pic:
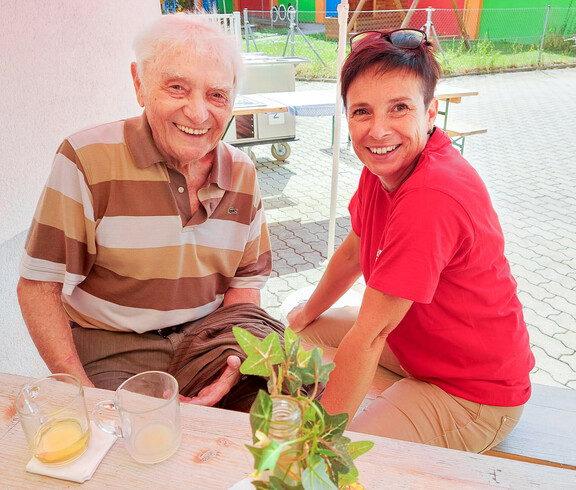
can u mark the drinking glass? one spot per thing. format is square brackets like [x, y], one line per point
[53, 414]
[148, 409]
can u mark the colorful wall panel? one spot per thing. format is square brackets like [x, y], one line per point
[522, 21]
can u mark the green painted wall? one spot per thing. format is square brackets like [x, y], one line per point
[522, 21]
[307, 9]
[229, 6]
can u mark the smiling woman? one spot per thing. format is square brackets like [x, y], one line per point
[440, 311]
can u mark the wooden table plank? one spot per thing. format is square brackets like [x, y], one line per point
[445, 91]
[212, 455]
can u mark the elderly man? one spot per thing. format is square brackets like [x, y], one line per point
[150, 233]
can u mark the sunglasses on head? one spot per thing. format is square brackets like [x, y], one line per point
[401, 38]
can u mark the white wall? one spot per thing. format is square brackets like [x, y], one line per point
[64, 65]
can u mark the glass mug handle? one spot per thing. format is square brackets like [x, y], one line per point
[110, 427]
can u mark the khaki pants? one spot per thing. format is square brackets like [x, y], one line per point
[413, 410]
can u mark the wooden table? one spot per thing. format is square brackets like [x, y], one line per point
[322, 102]
[212, 455]
[449, 94]
[315, 103]
[255, 104]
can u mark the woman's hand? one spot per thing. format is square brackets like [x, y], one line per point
[296, 318]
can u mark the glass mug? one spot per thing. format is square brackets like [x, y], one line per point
[148, 408]
[53, 414]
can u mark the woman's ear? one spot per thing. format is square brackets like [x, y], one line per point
[432, 113]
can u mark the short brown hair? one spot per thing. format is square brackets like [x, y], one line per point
[385, 57]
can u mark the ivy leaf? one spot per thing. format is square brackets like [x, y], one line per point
[261, 355]
[340, 460]
[346, 479]
[290, 338]
[261, 414]
[314, 371]
[294, 348]
[277, 484]
[335, 425]
[303, 356]
[313, 416]
[358, 448]
[292, 378]
[261, 485]
[265, 458]
[315, 476]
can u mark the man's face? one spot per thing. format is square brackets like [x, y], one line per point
[188, 100]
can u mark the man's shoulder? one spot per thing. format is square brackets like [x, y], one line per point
[104, 133]
[235, 155]
[239, 166]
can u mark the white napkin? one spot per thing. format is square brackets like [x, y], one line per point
[245, 484]
[84, 467]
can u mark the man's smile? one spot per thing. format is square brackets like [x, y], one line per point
[188, 130]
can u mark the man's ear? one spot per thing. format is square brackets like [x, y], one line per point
[137, 84]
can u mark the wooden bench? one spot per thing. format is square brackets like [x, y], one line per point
[546, 433]
[458, 133]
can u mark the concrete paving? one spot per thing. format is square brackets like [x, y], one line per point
[526, 160]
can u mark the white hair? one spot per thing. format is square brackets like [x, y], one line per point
[193, 32]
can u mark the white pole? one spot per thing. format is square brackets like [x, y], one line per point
[342, 38]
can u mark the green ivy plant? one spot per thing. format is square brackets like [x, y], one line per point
[326, 456]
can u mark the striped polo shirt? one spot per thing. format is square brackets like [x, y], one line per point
[114, 226]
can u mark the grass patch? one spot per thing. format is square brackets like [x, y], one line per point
[483, 56]
[275, 45]
[493, 56]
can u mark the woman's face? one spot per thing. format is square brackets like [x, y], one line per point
[389, 123]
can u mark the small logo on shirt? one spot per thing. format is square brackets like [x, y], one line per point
[378, 252]
[232, 210]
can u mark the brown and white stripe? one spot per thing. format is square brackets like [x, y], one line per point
[112, 228]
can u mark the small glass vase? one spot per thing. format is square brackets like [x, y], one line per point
[285, 426]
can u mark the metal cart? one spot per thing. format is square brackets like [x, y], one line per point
[266, 74]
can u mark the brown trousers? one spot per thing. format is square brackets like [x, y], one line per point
[194, 352]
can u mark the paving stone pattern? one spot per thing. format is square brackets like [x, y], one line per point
[527, 160]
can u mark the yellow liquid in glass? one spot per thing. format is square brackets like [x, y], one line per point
[61, 441]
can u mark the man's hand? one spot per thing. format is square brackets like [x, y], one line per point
[213, 393]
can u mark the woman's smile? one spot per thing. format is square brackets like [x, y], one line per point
[383, 151]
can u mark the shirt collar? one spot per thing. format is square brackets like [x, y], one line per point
[145, 153]
[140, 142]
[437, 141]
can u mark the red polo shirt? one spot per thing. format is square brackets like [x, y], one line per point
[436, 240]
